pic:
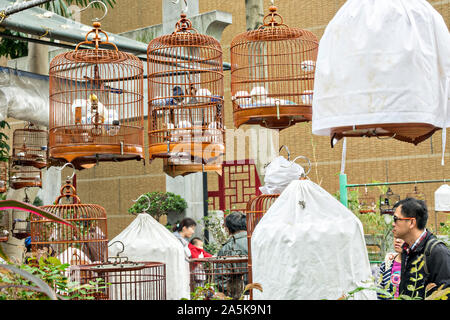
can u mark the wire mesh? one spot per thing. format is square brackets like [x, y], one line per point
[96, 105]
[185, 83]
[84, 244]
[124, 281]
[272, 74]
[228, 274]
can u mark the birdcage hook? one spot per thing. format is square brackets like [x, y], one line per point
[185, 9]
[287, 150]
[104, 6]
[65, 165]
[149, 202]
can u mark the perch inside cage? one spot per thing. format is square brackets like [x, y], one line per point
[87, 243]
[387, 202]
[229, 274]
[272, 74]
[3, 176]
[30, 146]
[185, 83]
[96, 104]
[24, 176]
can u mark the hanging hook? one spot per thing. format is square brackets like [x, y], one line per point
[104, 6]
[67, 164]
[287, 150]
[149, 202]
[185, 9]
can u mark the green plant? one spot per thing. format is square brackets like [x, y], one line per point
[38, 202]
[214, 224]
[4, 146]
[161, 203]
[209, 292]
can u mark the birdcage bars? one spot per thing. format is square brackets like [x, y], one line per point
[367, 204]
[96, 104]
[30, 146]
[417, 194]
[3, 176]
[387, 202]
[23, 176]
[185, 83]
[229, 274]
[124, 280]
[256, 208]
[272, 74]
[85, 244]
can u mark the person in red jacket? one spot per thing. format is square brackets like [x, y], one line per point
[196, 247]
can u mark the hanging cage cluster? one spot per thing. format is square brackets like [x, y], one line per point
[272, 74]
[185, 85]
[96, 104]
[85, 244]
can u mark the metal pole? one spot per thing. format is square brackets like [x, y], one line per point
[21, 7]
[395, 183]
[343, 189]
[205, 203]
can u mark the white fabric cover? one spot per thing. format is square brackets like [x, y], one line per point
[308, 253]
[442, 198]
[278, 174]
[382, 61]
[145, 239]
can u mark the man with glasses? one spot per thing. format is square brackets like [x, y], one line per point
[417, 272]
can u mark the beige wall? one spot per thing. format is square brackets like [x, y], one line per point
[114, 185]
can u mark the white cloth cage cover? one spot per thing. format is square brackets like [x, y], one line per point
[278, 174]
[310, 252]
[145, 239]
[382, 61]
[442, 198]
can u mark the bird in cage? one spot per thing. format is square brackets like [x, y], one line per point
[178, 94]
[242, 98]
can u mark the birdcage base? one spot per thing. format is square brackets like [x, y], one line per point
[272, 117]
[414, 133]
[25, 184]
[2, 190]
[30, 162]
[86, 156]
[21, 235]
[3, 238]
[174, 170]
[207, 152]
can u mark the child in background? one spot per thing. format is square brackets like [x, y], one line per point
[196, 247]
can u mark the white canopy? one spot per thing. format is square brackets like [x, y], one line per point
[308, 246]
[145, 239]
[380, 62]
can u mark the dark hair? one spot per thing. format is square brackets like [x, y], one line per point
[194, 240]
[236, 222]
[414, 208]
[186, 222]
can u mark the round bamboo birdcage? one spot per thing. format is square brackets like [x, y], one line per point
[96, 104]
[417, 194]
[387, 202]
[30, 146]
[256, 208]
[87, 243]
[180, 167]
[3, 176]
[21, 176]
[367, 204]
[185, 84]
[272, 74]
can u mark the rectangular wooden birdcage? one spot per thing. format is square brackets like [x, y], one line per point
[30, 146]
[85, 244]
[228, 274]
[124, 280]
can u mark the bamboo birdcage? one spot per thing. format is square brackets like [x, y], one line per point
[85, 244]
[256, 208]
[23, 176]
[30, 146]
[367, 204]
[272, 74]
[387, 202]
[186, 106]
[3, 176]
[96, 104]
[184, 167]
[417, 194]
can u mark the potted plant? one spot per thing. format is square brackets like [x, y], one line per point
[166, 207]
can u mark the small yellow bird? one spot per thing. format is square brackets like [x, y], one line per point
[93, 97]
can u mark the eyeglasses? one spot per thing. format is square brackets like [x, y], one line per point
[397, 218]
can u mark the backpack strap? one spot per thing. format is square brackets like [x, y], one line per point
[428, 248]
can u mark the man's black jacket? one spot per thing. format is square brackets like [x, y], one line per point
[413, 277]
